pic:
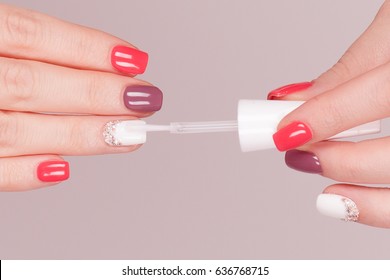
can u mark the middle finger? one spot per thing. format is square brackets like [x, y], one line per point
[40, 87]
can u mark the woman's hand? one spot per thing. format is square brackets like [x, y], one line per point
[354, 91]
[47, 67]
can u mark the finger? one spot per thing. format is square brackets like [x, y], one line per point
[31, 134]
[355, 61]
[361, 100]
[41, 87]
[32, 172]
[362, 162]
[366, 205]
[31, 35]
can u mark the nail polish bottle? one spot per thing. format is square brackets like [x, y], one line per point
[257, 121]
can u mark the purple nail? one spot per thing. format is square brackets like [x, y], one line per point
[143, 98]
[303, 161]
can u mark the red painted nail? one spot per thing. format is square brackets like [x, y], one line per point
[292, 136]
[129, 60]
[53, 171]
[289, 89]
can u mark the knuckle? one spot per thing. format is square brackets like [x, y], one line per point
[334, 119]
[18, 82]
[21, 30]
[77, 139]
[348, 165]
[343, 69]
[9, 177]
[94, 94]
[380, 100]
[8, 131]
[75, 134]
[85, 49]
[352, 169]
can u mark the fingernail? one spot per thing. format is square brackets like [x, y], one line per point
[124, 133]
[143, 98]
[288, 89]
[303, 161]
[292, 136]
[129, 60]
[53, 171]
[337, 206]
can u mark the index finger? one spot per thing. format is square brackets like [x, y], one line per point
[30, 35]
[361, 100]
[374, 41]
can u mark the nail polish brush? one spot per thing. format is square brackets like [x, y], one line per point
[257, 121]
[194, 127]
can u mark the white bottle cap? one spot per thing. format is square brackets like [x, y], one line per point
[258, 121]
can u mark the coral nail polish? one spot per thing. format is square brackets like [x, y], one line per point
[292, 136]
[129, 60]
[288, 89]
[53, 171]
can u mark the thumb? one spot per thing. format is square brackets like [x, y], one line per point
[369, 51]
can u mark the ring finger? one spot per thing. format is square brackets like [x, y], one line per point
[31, 134]
[363, 162]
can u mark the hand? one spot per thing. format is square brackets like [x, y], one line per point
[48, 67]
[354, 91]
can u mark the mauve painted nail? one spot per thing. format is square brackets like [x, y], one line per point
[303, 161]
[143, 98]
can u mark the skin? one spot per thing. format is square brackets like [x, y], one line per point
[354, 91]
[69, 74]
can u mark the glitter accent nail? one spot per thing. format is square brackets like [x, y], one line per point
[337, 206]
[124, 132]
[108, 134]
[352, 212]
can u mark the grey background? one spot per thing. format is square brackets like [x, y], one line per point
[198, 196]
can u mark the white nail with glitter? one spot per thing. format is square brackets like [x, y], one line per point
[125, 132]
[337, 206]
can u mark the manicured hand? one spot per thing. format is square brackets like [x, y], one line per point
[354, 91]
[63, 89]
